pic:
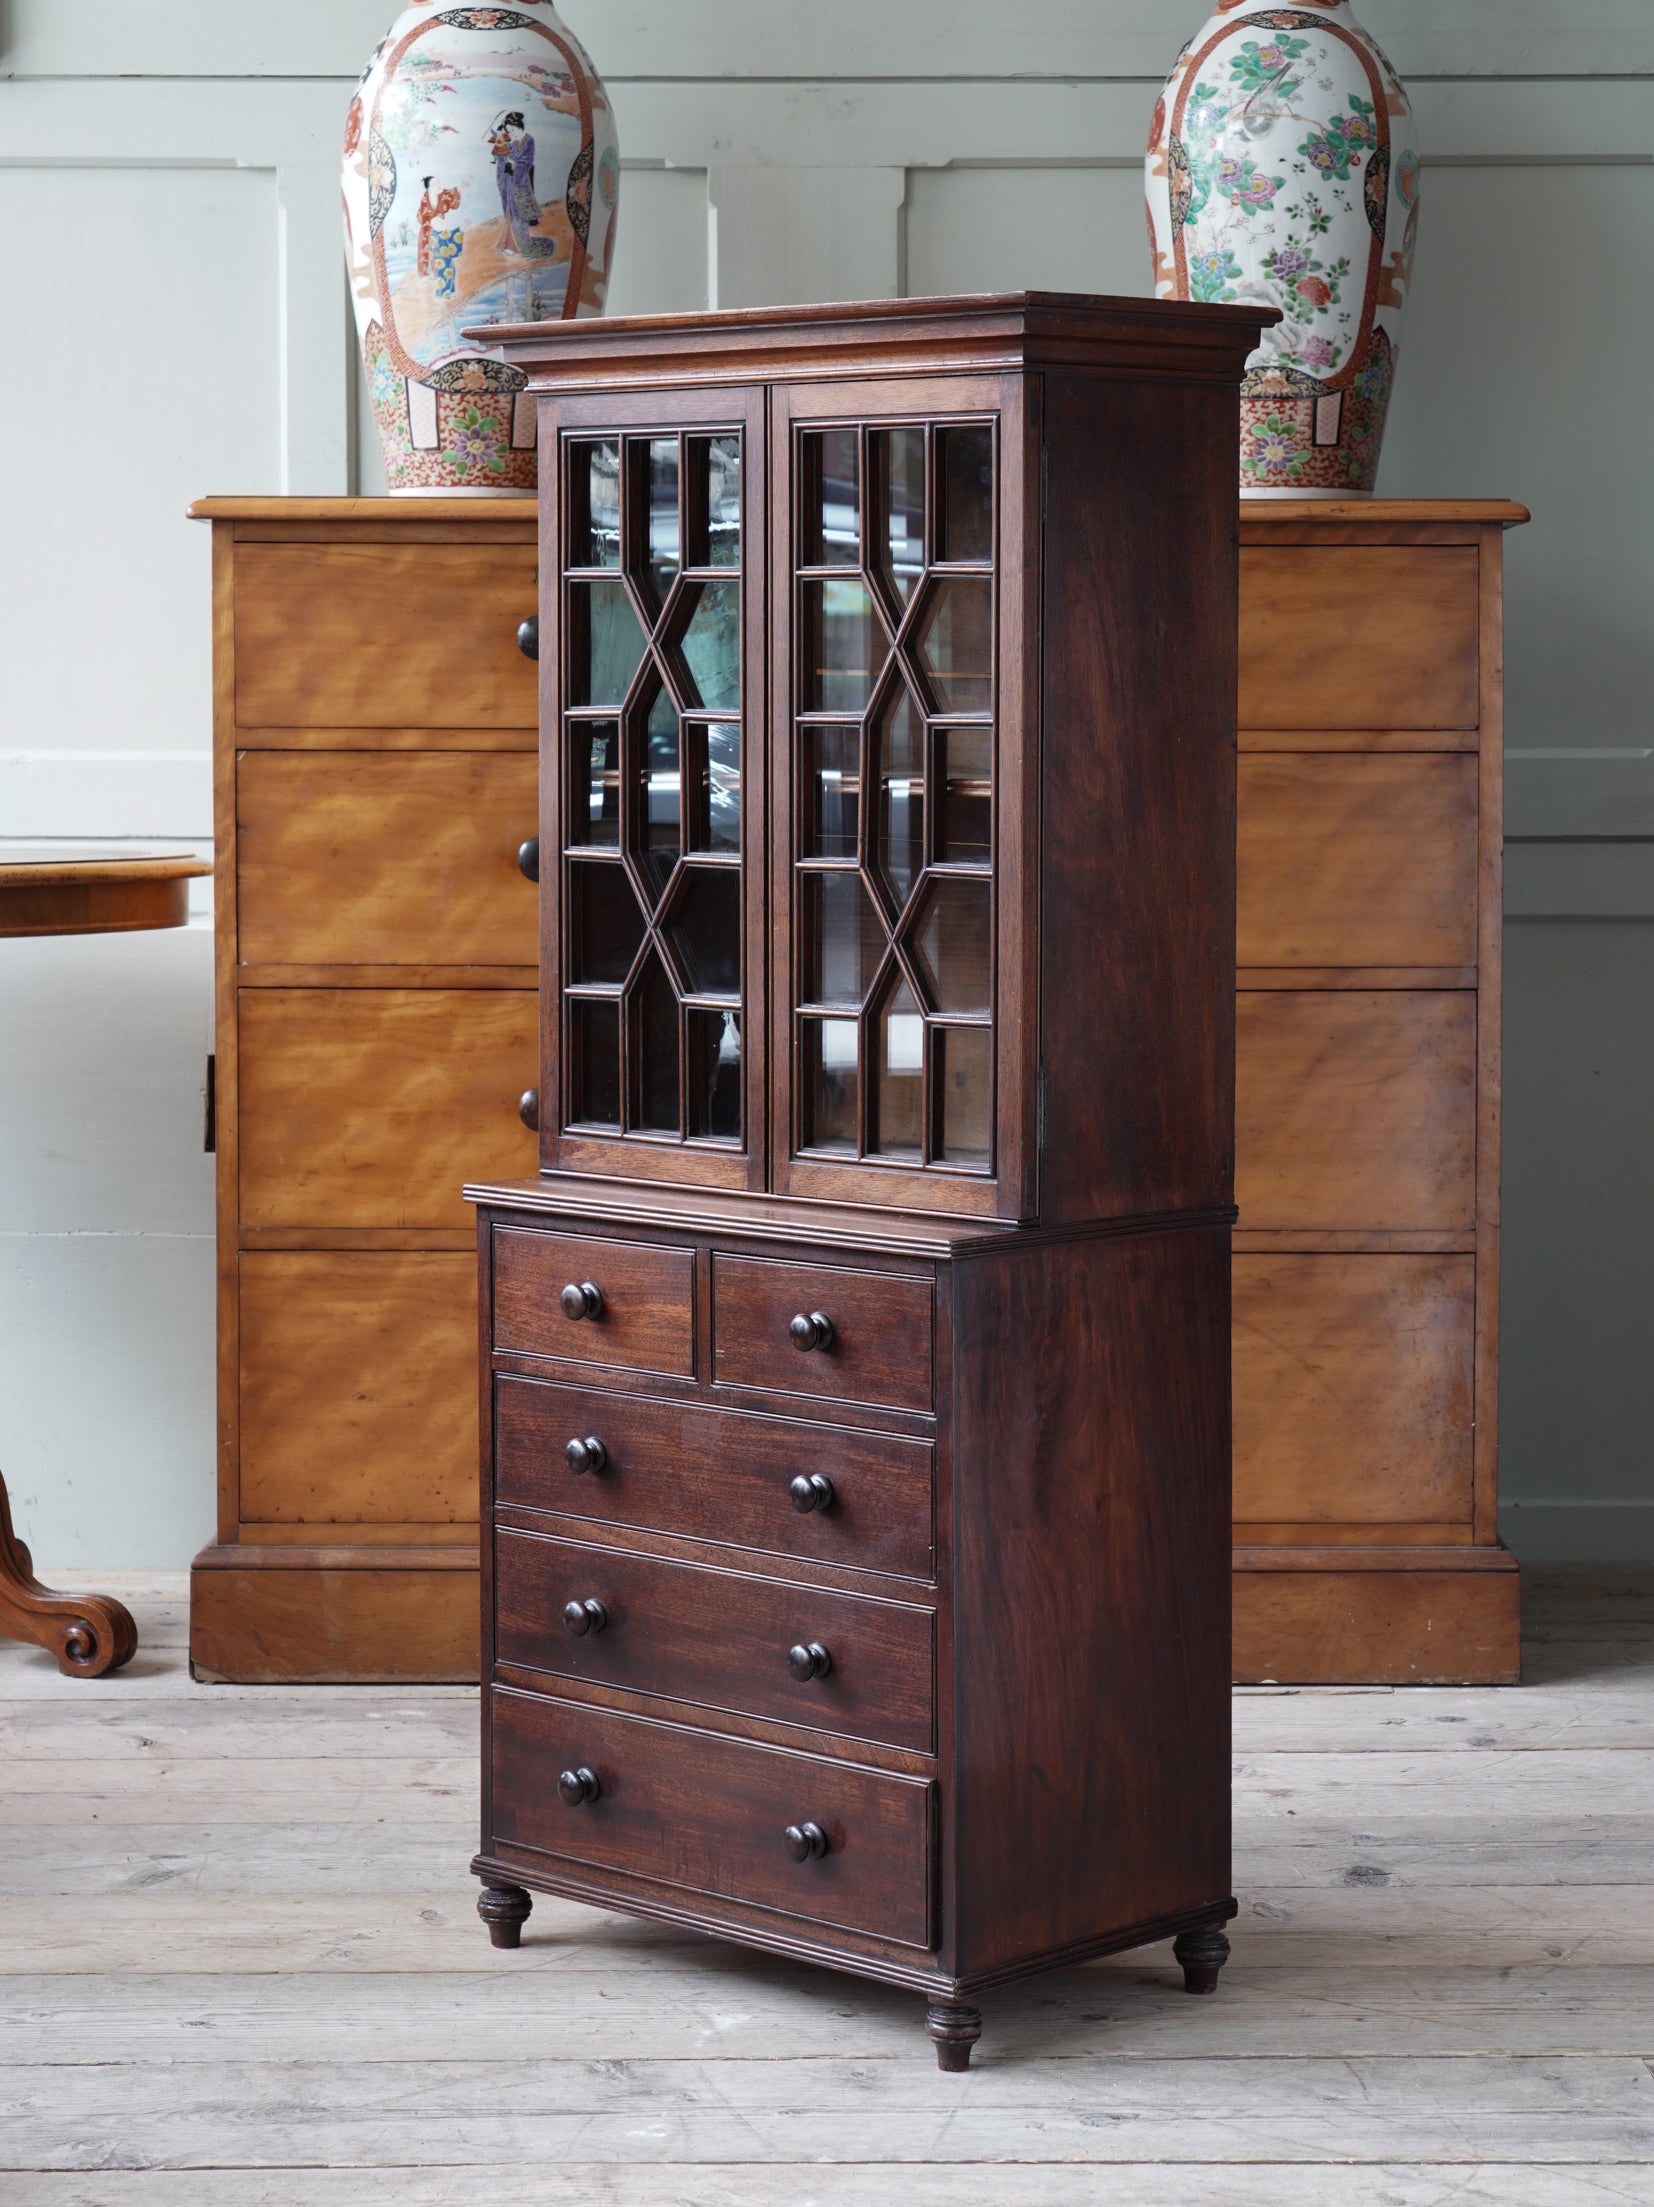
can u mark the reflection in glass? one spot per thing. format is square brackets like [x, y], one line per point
[831, 502]
[829, 1087]
[832, 791]
[714, 502]
[655, 1049]
[900, 766]
[964, 774]
[712, 646]
[665, 535]
[898, 460]
[607, 925]
[843, 937]
[594, 1062]
[661, 795]
[714, 1076]
[706, 930]
[954, 944]
[594, 781]
[966, 467]
[594, 504]
[712, 775]
[899, 1086]
[956, 643]
[605, 643]
[964, 1095]
[844, 647]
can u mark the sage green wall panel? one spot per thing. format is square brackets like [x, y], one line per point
[1026, 229]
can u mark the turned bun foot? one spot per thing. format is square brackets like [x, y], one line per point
[1203, 1954]
[954, 2031]
[505, 1909]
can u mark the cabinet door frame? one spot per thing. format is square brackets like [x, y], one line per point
[710, 410]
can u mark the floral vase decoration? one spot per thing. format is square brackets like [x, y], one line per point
[1283, 171]
[481, 184]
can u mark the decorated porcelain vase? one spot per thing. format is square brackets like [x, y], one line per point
[1283, 171]
[481, 179]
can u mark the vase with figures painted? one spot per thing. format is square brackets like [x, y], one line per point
[1283, 171]
[481, 183]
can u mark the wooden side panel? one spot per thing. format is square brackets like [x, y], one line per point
[373, 1107]
[1409, 1625]
[1357, 1110]
[356, 1387]
[1354, 1401]
[383, 636]
[263, 1620]
[1359, 636]
[1351, 861]
[385, 858]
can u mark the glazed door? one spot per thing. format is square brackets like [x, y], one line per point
[652, 786]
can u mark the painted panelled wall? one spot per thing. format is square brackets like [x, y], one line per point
[177, 324]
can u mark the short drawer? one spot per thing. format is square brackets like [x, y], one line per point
[880, 1348]
[721, 1475]
[712, 1816]
[718, 1638]
[643, 1316]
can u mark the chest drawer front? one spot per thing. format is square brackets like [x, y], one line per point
[880, 1348]
[711, 1815]
[716, 1475]
[719, 1638]
[1360, 636]
[644, 1318]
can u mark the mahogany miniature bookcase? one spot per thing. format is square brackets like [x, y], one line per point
[855, 1377]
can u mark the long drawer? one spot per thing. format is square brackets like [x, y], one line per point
[713, 1816]
[863, 1500]
[719, 1638]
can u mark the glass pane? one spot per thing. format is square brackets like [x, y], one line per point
[832, 792]
[594, 1065]
[899, 1084]
[844, 939]
[964, 1094]
[899, 468]
[594, 505]
[655, 1042]
[665, 533]
[712, 646]
[964, 774]
[605, 923]
[844, 647]
[966, 467]
[660, 798]
[594, 781]
[714, 501]
[714, 1076]
[706, 930]
[831, 499]
[954, 944]
[956, 643]
[830, 1051]
[712, 781]
[899, 763]
[605, 643]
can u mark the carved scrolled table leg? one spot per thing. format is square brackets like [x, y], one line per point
[1202, 1954]
[505, 1909]
[90, 1634]
[954, 2030]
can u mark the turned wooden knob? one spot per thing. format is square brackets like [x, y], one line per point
[584, 1301]
[579, 1618]
[528, 859]
[809, 1662]
[587, 1455]
[528, 1109]
[577, 1787]
[528, 637]
[813, 1332]
[805, 1842]
[811, 1490]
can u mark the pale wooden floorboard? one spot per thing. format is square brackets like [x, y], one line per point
[237, 1945]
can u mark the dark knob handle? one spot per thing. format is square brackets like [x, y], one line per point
[587, 1455]
[811, 1490]
[809, 1662]
[528, 1109]
[584, 1301]
[805, 1842]
[528, 859]
[814, 1332]
[579, 1618]
[528, 637]
[577, 1787]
